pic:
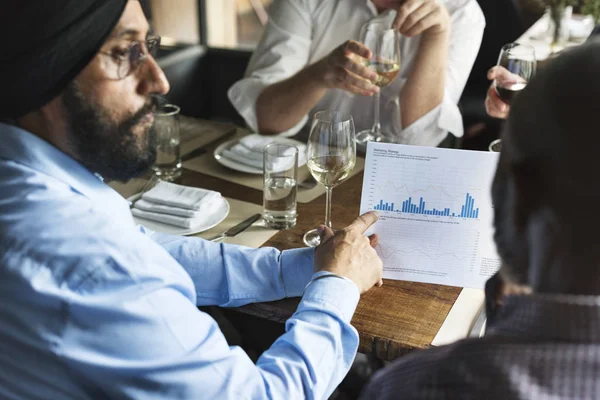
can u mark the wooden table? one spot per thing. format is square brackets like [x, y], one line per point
[391, 320]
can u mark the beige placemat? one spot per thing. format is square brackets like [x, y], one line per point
[197, 133]
[207, 164]
[255, 236]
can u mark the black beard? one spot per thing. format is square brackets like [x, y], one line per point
[110, 149]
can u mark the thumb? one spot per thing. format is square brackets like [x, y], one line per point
[325, 233]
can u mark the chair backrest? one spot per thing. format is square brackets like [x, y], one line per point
[504, 24]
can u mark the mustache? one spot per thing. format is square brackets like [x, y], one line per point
[150, 107]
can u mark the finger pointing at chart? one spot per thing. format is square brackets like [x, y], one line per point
[350, 254]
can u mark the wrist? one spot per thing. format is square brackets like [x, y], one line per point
[326, 274]
[441, 35]
[315, 75]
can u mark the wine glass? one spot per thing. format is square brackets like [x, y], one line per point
[331, 155]
[516, 66]
[385, 61]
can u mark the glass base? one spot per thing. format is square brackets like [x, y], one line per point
[363, 137]
[279, 219]
[167, 174]
[312, 238]
[496, 146]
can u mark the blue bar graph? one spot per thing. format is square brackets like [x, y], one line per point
[467, 210]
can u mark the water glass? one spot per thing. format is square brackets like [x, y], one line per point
[280, 173]
[168, 155]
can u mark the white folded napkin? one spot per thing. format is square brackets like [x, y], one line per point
[184, 222]
[207, 207]
[189, 198]
[249, 151]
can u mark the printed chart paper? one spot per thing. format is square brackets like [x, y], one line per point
[436, 213]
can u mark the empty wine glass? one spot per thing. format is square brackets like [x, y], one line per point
[516, 66]
[385, 61]
[331, 155]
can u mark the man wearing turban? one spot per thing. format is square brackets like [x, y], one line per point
[92, 306]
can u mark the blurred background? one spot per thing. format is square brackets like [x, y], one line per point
[206, 45]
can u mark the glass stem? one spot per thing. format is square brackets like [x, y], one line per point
[376, 129]
[328, 190]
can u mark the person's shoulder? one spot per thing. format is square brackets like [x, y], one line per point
[58, 232]
[465, 9]
[443, 372]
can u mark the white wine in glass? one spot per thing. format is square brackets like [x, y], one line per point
[386, 71]
[331, 155]
[330, 170]
[385, 61]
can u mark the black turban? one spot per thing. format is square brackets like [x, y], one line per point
[46, 44]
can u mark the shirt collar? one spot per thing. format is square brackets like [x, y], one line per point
[550, 317]
[30, 150]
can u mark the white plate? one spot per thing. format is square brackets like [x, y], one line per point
[215, 219]
[241, 167]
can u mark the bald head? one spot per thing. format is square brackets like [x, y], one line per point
[546, 190]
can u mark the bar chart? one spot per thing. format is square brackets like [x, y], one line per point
[436, 213]
[467, 210]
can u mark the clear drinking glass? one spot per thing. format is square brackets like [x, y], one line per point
[385, 61]
[280, 167]
[516, 66]
[168, 156]
[331, 155]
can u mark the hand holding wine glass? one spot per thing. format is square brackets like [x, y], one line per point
[331, 155]
[494, 105]
[343, 69]
[516, 66]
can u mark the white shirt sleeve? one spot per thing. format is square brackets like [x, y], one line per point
[283, 51]
[468, 23]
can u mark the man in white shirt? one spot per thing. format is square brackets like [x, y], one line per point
[305, 62]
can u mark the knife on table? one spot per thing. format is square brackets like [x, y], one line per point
[242, 226]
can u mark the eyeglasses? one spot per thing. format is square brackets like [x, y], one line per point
[129, 60]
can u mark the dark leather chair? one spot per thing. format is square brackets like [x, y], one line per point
[200, 77]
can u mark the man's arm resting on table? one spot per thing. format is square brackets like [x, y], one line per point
[231, 276]
[152, 342]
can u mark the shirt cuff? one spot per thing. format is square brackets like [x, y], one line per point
[342, 294]
[297, 268]
[433, 127]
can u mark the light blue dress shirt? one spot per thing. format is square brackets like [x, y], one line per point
[93, 306]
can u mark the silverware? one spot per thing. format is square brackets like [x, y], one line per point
[149, 185]
[242, 226]
[204, 149]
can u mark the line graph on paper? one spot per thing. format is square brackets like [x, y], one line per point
[433, 252]
[436, 213]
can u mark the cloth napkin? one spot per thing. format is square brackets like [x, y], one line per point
[249, 151]
[171, 194]
[177, 205]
